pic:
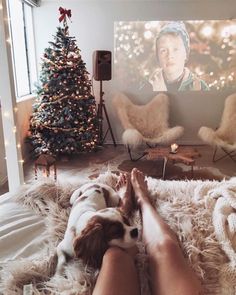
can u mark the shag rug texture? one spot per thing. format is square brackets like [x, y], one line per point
[202, 213]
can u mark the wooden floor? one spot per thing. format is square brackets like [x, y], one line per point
[117, 159]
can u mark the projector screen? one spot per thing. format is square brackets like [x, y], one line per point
[176, 55]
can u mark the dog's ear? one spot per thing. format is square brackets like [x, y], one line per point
[91, 245]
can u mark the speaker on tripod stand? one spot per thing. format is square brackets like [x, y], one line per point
[102, 72]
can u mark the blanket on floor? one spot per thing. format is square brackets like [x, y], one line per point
[202, 213]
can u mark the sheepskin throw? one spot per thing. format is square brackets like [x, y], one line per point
[146, 123]
[225, 135]
[202, 213]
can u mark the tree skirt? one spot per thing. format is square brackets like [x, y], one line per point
[191, 208]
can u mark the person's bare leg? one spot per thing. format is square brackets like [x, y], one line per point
[170, 273]
[118, 275]
[121, 181]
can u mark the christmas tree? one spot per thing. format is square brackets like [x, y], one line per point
[64, 119]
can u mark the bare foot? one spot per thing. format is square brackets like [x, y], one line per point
[140, 186]
[125, 190]
[122, 181]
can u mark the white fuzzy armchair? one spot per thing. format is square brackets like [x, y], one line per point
[225, 136]
[145, 123]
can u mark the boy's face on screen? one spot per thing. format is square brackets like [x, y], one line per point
[171, 55]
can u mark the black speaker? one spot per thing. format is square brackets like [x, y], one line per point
[102, 65]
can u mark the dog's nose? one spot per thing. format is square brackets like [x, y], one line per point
[134, 233]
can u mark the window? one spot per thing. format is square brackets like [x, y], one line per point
[23, 50]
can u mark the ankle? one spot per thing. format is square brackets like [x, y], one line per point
[163, 248]
[147, 202]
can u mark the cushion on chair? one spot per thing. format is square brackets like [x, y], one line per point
[147, 122]
[225, 135]
[227, 130]
[132, 137]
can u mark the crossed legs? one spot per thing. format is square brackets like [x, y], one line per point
[169, 271]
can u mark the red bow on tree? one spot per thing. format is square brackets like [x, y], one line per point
[64, 13]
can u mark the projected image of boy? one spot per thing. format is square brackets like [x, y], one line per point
[172, 51]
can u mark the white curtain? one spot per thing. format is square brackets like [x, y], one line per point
[33, 2]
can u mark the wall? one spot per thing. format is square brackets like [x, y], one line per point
[23, 114]
[92, 25]
[3, 167]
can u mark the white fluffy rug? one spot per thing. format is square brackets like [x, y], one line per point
[202, 213]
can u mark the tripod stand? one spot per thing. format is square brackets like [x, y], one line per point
[101, 108]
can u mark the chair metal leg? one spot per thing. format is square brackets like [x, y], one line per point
[130, 155]
[165, 160]
[227, 154]
[214, 154]
[230, 154]
[192, 171]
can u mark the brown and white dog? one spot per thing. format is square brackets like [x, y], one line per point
[95, 223]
